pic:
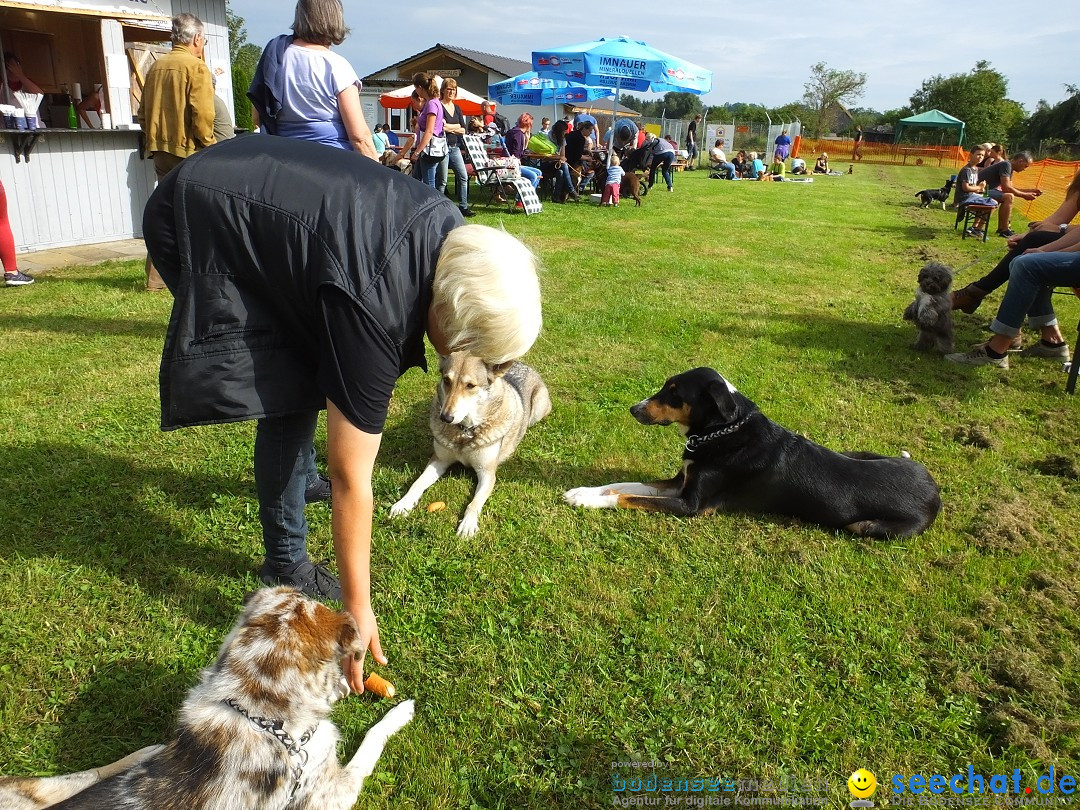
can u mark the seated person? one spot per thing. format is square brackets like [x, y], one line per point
[1032, 279]
[821, 165]
[798, 166]
[756, 166]
[564, 180]
[516, 139]
[999, 182]
[741, 163]
[720, 161]
[1041, 235]
[579, 143]
[969, 187]
[776, 169]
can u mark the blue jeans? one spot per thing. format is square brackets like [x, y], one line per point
[662, 162]
[455, 161]
[284, 468]
[1031, 279]
[532, 175]
[733, 173]
[428, 170]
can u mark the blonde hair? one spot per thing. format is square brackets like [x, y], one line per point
[447, 86]
[486, 294]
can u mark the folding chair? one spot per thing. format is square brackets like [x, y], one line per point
[970, 213]
[497, 178]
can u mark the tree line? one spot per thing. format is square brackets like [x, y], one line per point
[979, 98]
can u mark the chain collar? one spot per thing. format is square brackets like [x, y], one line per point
[695, 442]
[277, 729]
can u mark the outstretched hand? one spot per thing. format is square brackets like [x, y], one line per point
[352, 668]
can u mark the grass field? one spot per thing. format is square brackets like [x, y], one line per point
[558, 642]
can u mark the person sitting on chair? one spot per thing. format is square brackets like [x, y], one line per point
[720, 161]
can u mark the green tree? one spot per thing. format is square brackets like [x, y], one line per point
[244, 57]
[682, 105]
[977, 98]
[1050, 128]
[825, 88]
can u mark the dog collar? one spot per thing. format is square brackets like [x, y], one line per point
[277, 729]
[694, 442]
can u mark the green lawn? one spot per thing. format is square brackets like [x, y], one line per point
[560, 641]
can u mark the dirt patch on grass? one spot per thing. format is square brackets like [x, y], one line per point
[1061, 466]
[1007, 524]
[975, 435]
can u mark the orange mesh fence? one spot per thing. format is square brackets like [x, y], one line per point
[1052, 177]
[840, 152]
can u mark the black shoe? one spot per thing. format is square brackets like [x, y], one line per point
[1007, 232]
[319, 491]
[311, 579]
[467, 212]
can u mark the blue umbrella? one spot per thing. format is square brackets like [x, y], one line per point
[532, 90]
[624, 64]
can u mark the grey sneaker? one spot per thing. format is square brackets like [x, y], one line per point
[1016, 345]
[311, 579]
[17, 279]
[1040, 349]
[319, 491]
[978, 357]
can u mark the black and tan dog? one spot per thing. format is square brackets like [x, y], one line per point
[737, 460]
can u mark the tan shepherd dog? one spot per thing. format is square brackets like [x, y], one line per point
[478, 417]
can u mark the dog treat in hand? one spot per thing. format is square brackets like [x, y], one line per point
[378, 685]
[436, 506]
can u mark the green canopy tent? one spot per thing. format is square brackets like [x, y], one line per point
[930, 118]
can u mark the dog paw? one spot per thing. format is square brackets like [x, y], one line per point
[402, 507]
[398, 717]
[592, 497]
[470, 525]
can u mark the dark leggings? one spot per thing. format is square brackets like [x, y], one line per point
[1000, 274]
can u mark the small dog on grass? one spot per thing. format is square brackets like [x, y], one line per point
[478, 417]
[931, 311]
[933, 195]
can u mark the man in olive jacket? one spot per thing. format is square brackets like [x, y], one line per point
[177, 110]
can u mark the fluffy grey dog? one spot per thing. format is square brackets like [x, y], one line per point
[932, 309]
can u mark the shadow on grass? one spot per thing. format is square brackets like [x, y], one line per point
[121, 707]
[88, 327]
[869, 351]
[104, 513]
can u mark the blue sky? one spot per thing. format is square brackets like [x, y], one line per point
[761, 54]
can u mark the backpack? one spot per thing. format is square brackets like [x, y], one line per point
[501, 123]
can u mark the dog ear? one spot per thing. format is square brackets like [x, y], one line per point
[498, 369]
[725, 401]
[349, 637]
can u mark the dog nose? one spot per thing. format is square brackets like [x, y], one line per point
[447, 417]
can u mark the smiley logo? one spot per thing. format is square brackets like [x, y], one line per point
[862, 784]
